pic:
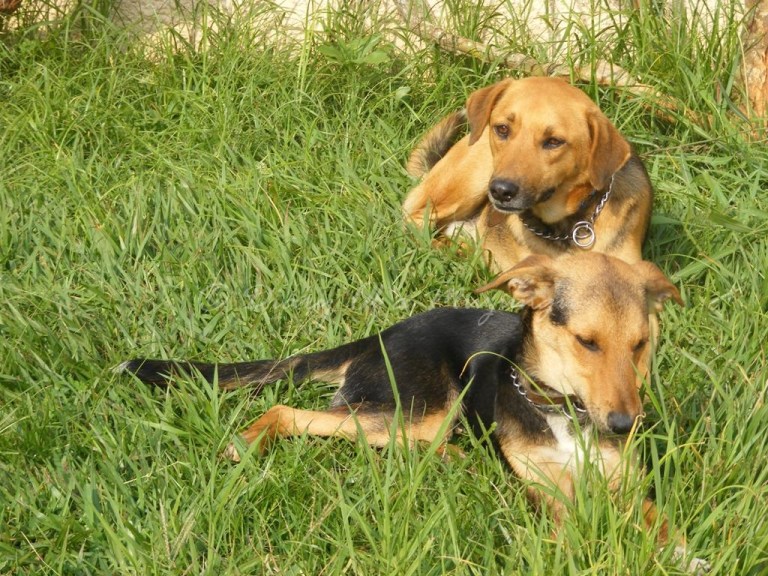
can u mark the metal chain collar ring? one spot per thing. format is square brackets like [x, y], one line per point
[583, 232]
[553, 407]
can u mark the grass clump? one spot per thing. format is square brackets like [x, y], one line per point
[243, 201]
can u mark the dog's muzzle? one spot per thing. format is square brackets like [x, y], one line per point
[621, 423]
[505, 196]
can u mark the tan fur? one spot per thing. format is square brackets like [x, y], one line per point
[346, 422]
[607, 379]
[560, 464]
[455, 192]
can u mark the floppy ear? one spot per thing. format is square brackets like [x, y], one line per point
[479, 106]
[658, 288]
[530, 282]
[608, 150]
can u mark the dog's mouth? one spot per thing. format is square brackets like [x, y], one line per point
[516, 202]
[549, 401]
[506, 209]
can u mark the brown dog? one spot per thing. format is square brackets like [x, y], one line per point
[542, 171]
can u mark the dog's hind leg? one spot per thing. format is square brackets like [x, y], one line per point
[372, 423]
[454, 190]
[283, 422]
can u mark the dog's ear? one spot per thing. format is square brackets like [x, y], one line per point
[658, 288]
[608, 150]
[479, 106]
[530, 282]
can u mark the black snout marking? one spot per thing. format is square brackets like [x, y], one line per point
[620, 423]
[503, 191]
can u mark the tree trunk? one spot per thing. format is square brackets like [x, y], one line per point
[754, 72]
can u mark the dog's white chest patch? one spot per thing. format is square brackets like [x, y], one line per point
[572, 450]
[453, 229]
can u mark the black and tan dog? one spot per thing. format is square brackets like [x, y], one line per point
[579, 351]
[541, 171]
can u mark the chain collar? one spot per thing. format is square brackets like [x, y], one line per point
[583, 232]
[552, 403]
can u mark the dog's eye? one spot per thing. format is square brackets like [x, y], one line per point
[501, 130]
[552, 143]
[588, 343]
[640, 345]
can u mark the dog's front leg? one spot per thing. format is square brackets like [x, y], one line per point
[547, 470]
[697, 566]
[615, 467]
[551, 470]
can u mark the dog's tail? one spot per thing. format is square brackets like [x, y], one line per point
[328, 365]
[436, 144]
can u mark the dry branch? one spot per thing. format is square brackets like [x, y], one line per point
[603, 73]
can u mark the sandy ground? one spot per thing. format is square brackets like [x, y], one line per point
[543, 20]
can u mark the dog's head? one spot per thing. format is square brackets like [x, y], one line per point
[590, 333]
[551, 145]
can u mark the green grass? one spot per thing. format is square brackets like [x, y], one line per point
[243, 202]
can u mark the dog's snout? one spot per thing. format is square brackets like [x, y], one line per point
[503, 191]
[620, 422]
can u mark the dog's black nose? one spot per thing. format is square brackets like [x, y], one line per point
[620, 423]
[503, 191]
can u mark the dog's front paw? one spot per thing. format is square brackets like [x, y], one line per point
[698, 566]
[243, 442]
[231, 453]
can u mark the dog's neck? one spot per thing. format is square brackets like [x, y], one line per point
[583, 205]
[566, 230]
[545, 399]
